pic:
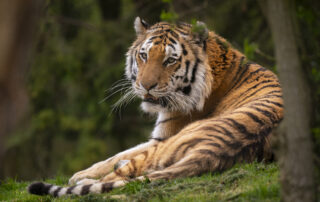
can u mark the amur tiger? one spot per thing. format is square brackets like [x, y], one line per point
[214, 109]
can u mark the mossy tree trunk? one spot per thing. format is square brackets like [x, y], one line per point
[295, 145]
[17, 26]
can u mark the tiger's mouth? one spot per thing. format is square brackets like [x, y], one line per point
[154, 100]
[151, 99]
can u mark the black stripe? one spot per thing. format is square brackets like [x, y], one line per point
[207, 152]
[258, 84]
[178, 67]
[261, 69]
[194, 70]
[171, 46]
[184, 51]
[186, 90]
[55, 193]
[173, 41]
[271, 96]
[237, 77]
[223, 45]
[156, 138]
[85, 189]
[163, 101]
[239, 68]
[231, 144]
[182, 31]
[275, 91]
[262, 133]
[174, 34]
[265, 98]
[133, 77]
[210, 128]
[160, 32]
[264, 105]
[69, 190]
[267, 114]
[204, 45]
[224, 56]
[272, 102]
[106, 187]
[183, 24]
[244, 68]
[46, 188]
[155, 37]
[254, 118]
[242, 129]
[187, 68]
[191, 143]
[258, 90]
[213, 144]
[226, 132]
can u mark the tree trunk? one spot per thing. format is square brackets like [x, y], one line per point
[295, 145]
[17, 26]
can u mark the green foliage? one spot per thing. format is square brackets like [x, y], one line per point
[249, 182]
[198, 28]
[249, 49]
[74, 63]
[169, 16]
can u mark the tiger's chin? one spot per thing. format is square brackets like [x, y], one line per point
[153, 108]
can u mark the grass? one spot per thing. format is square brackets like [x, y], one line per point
[247, 182]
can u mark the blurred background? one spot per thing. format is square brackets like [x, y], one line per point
[68, 53]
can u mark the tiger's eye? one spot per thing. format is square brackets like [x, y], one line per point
[143, 56]
[171, 60]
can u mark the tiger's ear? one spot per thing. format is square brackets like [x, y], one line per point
[200, 31]
[140, 26]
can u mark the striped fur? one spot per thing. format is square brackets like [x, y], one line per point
[214, 107]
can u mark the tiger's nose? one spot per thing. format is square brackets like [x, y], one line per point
[148, 86]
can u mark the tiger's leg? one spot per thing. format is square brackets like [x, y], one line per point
[102, 168]
[190, 165]
[194, 164]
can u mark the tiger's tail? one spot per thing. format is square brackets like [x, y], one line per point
[41, 188]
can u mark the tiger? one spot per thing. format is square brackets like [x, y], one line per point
[214, 108]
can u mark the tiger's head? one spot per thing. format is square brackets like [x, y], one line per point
[168, 67]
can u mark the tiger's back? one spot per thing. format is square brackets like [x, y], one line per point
[214, 109]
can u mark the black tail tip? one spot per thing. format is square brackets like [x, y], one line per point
[37, 188]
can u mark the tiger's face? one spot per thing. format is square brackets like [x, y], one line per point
[168, 67]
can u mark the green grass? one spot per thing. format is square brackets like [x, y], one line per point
[248, 182]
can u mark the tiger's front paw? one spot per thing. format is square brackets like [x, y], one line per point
[77, 177]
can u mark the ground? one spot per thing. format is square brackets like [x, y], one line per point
[247, 182]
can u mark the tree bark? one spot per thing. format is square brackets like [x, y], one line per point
[17, 27]
[295, 145]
